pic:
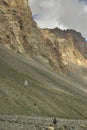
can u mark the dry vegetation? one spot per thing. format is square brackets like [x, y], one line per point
[47, 93]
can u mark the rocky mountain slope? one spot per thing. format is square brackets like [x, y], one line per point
[19, 32]
[66, 44]
[17, 29]
[42, 72]
[47, 92]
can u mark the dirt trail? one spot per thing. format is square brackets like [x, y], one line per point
[39, 123]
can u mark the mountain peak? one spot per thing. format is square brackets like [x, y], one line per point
[19, 32]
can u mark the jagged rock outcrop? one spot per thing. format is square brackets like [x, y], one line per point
[79, 41]
[19, 32]
[66, 44]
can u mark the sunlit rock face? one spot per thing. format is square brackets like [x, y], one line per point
[19, 32]
[68, 44]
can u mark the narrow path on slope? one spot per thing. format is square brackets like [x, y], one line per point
[39, 123]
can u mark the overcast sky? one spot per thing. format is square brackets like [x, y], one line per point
[61, 13]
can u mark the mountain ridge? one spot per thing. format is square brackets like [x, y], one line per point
[23, 36]
[54, 69]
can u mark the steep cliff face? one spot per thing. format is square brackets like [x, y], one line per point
[66, 44]
[19, 32]
[78, 41]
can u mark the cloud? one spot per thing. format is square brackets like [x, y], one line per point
[61, 13]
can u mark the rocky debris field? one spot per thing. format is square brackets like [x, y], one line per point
[40, 123]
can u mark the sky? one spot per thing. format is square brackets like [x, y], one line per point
[64, 14]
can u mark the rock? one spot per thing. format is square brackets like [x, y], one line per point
[51, 128]
[20, 33]
[25, 83]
